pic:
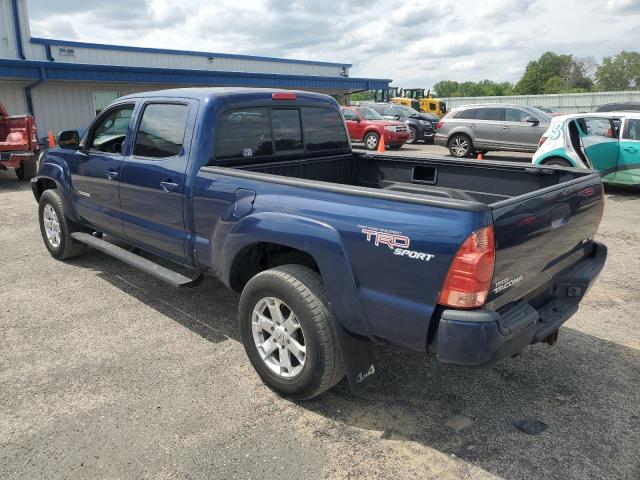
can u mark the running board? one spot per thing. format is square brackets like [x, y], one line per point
[174, 279]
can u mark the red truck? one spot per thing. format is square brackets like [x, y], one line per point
[18, 144]
[366, 125]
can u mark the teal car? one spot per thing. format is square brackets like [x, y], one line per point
[608, 142]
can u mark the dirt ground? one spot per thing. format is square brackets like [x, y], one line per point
[107, 373]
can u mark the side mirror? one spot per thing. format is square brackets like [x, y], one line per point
[532, 120]
[357, 120]
[69, 139]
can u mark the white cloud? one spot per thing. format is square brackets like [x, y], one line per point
[415, 42]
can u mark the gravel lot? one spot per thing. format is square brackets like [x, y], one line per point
[107, 373]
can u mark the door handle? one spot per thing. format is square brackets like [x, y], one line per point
[168, 185]
[506, 127]
[473, 125]
[630, 149]
[112, 174]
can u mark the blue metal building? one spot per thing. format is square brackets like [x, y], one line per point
[64, 84]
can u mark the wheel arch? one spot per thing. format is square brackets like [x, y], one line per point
[259, 239]
[556, 156]
[55, 175]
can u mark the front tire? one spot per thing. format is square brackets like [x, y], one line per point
[289, 332]
[413, 135]
[460, 146]
[56, 229]
[371, 140]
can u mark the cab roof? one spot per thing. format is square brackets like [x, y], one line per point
[228, 94]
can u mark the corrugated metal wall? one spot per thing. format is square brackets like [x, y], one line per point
[12, 97]
[568, 103]
[64, 106]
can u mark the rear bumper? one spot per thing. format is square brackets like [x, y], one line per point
[477, 338]
[13, 160]
[440, 139]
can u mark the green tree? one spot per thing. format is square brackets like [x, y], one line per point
[619, 72]
[553, 73]
[446, 88]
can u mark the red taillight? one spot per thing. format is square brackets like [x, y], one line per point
[439, 125]
[469, 277]
[542, 140]
[283, 96]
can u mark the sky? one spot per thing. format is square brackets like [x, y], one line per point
[415, 43]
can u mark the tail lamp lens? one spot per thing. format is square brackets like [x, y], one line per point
[469, 278]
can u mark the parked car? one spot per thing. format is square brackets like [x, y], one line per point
[608, 142]
[19, 148]
[619, 107]
[422, 126]
[332, 250]
[366, 125]
[480, 128]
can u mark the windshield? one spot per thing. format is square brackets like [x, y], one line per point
[408, 111]
[370, 114]
[544, 116]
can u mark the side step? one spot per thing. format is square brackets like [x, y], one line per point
[174, 279]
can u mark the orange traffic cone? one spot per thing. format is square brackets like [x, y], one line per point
[381, 144]
[480, 156]
[52, 140]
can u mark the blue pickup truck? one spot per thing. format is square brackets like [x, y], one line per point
[333, 250]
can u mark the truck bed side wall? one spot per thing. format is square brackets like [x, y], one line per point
[396, 293]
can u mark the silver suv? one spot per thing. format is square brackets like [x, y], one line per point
[480, 128]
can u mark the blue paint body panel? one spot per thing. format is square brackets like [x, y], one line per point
[215, 214]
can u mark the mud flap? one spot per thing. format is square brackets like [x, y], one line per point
[359, 360]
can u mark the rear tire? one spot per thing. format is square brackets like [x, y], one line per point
[56, 229]
[460, 146]
[26, 171]
[371, 140]
[558, 162]
[281, 310]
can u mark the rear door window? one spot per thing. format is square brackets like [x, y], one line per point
[323, 129]
[596, 127]
[244, 133]
[494, 114]
[161, 130]
[467, 114]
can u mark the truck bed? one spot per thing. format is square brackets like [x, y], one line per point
[435, 178]
[544, 218]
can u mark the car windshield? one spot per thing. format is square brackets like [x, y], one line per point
[370, 114]
[408, 111]
[544, 116]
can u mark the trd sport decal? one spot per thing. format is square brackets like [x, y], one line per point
[395, 241]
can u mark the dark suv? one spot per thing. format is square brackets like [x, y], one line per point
[480, 128]
[422, 126]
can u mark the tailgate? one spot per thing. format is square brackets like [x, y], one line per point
[541, 234]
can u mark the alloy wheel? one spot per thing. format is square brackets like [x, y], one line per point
[51, 225]
[278, 337]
